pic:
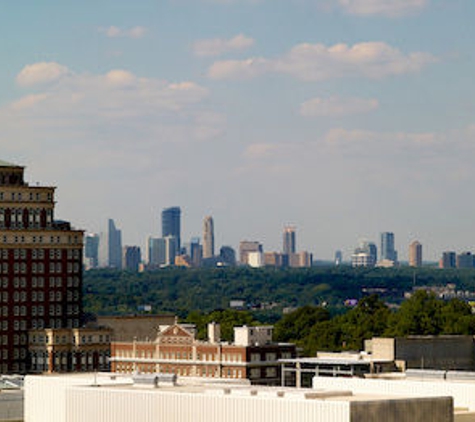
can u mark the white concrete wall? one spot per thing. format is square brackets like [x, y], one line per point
[462, 392]
[108, 405]
[45, 396]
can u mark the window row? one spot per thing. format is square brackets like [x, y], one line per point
[24, 196]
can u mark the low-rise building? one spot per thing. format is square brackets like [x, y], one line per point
[451, 352]
[101, 398]
[175, 350]
[69, 350]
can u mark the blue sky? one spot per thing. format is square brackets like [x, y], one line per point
[345, 118]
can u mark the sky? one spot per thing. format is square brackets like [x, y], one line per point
[344, 118]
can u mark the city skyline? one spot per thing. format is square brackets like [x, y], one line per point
[347, 118]
[386, 250]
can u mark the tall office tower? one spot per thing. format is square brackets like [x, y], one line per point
[41, 267]
[156, 251]
[171, 224]
[195, 252]
[227, 255]
[289, 240]
[247, 246]
[448, 260]
[131, 258]
[91, 251]
[110, 247]
[387, 247]
[415, 254]
[338, 258]
[171, 250]
[208, 237]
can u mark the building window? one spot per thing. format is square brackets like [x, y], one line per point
[255, 373]
[255, 357]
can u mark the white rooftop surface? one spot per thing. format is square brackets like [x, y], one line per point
[104, 398]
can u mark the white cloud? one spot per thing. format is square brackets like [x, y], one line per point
[115, 32]
[41, 73]
[112, 104]
[357, 142]
[217, 46]
[336, 106]
[317, 62]
[389, 8]
[28, 101]
[239, 69]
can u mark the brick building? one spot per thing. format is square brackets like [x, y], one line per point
[253, 355]
[40, 267]
[69, 350]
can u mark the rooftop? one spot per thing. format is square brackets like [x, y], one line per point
[7, 164]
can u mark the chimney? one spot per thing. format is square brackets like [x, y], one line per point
[214, 333]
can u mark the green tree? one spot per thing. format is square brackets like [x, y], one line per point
[297, 325]
[368, 319]
[419, 315]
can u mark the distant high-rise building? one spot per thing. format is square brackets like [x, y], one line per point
[301, 259]
[171, 225]
[415, 254]
[208, 237]
[227, 255]
[110, 247]
[448, 260]
[156, 252]
[91, 251]
[387, 247]
[465, 260]
[289, 244]
[255, 259]
[365, 255]
[274, 259]
[171, 250]
[131, 258]
[247, 246]
[338, 258]
[194, 251]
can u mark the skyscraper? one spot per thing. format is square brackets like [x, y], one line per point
[91, 251]
[131, 258]
[227, 255]
[448, 260]
[171, 249]
[156, 250]
[208, 237]
[387, 247]
[289, 240]
[41, 267]
[171, 224]
[110, 247]
[415, 254]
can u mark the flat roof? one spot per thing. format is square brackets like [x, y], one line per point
[335, 361]
[220, 387]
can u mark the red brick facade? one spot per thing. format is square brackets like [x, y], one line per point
[176, 351]
[40, 267]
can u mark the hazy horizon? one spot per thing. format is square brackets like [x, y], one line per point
[345, 118]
